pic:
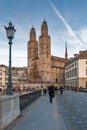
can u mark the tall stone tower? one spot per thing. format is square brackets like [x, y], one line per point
[32, 54]
[45, 53]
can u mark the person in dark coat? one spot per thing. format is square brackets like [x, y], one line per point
[61, 90]
[45, 91]
[51, 90]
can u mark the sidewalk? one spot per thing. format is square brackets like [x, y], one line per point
[40, 115]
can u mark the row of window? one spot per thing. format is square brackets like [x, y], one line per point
[7, 79]
[71, 73]
[71, 66]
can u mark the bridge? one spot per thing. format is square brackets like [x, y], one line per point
[40, 115]
[67, 112]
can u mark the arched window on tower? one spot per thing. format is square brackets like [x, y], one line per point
[47, 47]
[56, 80]
[47, 53]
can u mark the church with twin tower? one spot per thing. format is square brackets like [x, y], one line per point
[41, 65]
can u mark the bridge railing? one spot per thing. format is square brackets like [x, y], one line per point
[82, 89]
[28, 98]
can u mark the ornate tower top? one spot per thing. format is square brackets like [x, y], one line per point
[44, 28]
[32, 34]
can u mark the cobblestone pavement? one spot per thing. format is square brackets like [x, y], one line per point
[73, 106]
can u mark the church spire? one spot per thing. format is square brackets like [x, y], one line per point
[32, 34]
[66, 53]
[44, 28]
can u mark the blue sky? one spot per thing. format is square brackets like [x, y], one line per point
[67, 22]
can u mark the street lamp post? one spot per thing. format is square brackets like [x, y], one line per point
[10, 31]
[41, 77]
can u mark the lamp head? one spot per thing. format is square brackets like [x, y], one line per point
[10, 31]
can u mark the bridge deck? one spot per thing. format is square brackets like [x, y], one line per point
[40, 115]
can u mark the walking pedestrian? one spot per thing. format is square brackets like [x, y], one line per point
[61, 90]
[45, 91]
[51, 90]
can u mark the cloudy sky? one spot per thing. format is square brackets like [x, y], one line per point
[66, 19]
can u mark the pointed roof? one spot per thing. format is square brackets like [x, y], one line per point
[33, 34]
[66, 52]
[44, 28]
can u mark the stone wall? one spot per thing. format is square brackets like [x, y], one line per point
[9, 109]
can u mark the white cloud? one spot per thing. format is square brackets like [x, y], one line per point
[19, 53]
[19, 58]
[20, 32]
[83, 35]
[3, 43]
[76, 40]
[69, 29]
[58, 42]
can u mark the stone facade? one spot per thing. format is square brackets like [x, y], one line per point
[41, 65]
[4, 76]
[76, 71]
